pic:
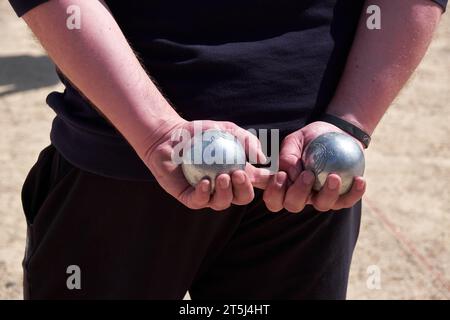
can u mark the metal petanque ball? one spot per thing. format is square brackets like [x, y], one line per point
[334, 153]
[210, 154]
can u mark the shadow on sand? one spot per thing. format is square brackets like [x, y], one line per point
[25, 72]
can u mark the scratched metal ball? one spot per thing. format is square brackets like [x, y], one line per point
[334, 153]
[211, 153]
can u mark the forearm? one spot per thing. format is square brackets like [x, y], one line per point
[381, 61]
[99, 62]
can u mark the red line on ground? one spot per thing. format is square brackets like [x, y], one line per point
[408, 245]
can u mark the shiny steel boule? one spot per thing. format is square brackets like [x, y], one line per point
[337, 153]
[210, 154]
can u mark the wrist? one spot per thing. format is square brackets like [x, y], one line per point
[356, 117]
[158, 132]
[347, 126]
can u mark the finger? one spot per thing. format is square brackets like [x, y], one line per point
[259, 177]
[197, 198]
[251, 144]
[353, 196]
[274, 194]
[297, 194]
[243, 192]
[223, 194]
[325, 199]
[291, 154]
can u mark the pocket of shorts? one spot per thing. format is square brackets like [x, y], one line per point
[43, 177]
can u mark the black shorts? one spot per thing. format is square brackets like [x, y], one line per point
[131, 239]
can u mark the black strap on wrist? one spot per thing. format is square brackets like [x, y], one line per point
[348, 127]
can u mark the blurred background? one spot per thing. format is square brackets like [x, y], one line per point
[404, 244]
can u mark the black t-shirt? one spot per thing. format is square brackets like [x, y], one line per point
[258, 63]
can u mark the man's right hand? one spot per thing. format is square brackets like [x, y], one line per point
[236, 188]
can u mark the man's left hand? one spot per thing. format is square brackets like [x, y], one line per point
[291, 187]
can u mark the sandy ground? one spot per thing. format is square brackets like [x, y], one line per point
[405, 230]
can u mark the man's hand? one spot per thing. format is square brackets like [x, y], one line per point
[379, 64]
[236, 188]
[291, 187]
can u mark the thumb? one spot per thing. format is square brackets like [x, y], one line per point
[291, 155]
[259, 177]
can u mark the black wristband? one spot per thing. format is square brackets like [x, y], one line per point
[348, 127]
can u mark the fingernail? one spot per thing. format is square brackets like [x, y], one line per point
[293, 173]
[240, 179]
[224, 183]
[262, 157]
[280, 179]
[308, 177]
[332, 184]
[359, 185]
[205, 187]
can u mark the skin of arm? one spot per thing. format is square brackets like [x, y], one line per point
[98, 60]
[379, 64]
[107, 72]
[381, 61]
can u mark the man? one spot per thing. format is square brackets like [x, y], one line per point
[106, 200]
